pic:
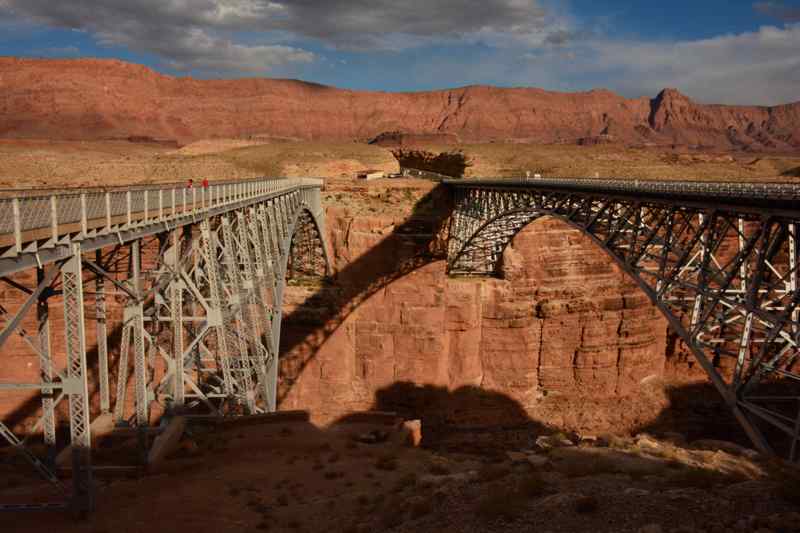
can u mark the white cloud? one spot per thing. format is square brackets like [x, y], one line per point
[752, 67]
[186, 34]
[522, 44]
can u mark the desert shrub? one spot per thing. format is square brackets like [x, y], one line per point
[333, 474]
[406, 481]
[493, 472]
[789, 488]
[386, 462]
[533, 487]
[392, 517]
[438, 470]
[501, 504]
[421, 508]
[700, 478]
[586, 504]
[584, 465]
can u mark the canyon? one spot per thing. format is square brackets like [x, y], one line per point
[90, 99]
[562, 332]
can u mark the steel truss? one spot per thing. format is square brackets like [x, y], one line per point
[722, 269]
[186, 305]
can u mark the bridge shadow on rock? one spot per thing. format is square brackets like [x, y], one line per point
[419, 240]
[696, 411]
[468, 419]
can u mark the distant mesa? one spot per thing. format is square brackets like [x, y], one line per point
[88, 99]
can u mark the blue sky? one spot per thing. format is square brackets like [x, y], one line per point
[717, 51]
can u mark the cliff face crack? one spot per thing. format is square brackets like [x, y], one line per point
[451, 114]
[539, 355]
[619, 348]
[575, 376]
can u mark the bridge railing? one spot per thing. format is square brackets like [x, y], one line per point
[26, 217]
[767, 193]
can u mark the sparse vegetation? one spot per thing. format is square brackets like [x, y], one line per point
[386, 462]
[493, 472]
[438, 469]
[586, 504]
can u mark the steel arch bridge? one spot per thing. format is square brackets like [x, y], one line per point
[184, 289]
[720, 261]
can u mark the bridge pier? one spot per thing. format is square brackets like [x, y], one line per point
[196, 284]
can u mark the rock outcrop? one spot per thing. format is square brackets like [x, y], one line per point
[99, 99]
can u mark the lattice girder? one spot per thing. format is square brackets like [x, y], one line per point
[725, 278]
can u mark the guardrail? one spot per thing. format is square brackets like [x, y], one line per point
[28, 217]
[770, 194]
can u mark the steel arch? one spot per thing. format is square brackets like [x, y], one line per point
[726, 279]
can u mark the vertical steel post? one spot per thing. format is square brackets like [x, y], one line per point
[139, 351]
[107, 197]
[17, 225]
[128, 213]
[78, 391]
[45, 363]
[217, 311]
[102, 338]
[176, 315]
[54, 218]
[238, 321]
[84, 221]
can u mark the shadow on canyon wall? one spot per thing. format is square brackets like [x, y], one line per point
[467, 419]
[454, 163]
[416, 242]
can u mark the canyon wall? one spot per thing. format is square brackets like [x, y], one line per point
[564, 334]
[99, 99]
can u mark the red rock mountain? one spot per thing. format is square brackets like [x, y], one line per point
[98, 99]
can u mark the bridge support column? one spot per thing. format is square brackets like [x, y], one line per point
[77, 386]
[45, 364]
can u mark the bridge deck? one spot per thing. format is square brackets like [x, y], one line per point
[747, 196]
[35, 227]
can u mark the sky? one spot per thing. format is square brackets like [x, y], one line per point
[729, 52]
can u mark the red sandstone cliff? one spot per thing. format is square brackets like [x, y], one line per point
[565, 333]
[94, 99]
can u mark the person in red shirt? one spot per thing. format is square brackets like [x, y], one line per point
[205, 183]
[189, 183]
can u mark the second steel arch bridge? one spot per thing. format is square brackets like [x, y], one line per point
[720, 260]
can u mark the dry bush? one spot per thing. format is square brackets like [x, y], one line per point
[700, 478]
[534, 487]
[586, 505]
[584, 465]
[333, 474]
[789, 488]
[421, 508]
[438, 470]
[493, 472]
[406, 481]
[506, 504]
[386, 462]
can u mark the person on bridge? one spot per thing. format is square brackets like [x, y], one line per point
[189, 183]
[205, 183]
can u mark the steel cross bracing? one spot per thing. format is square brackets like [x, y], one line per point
[719, 260]
[136, 303]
